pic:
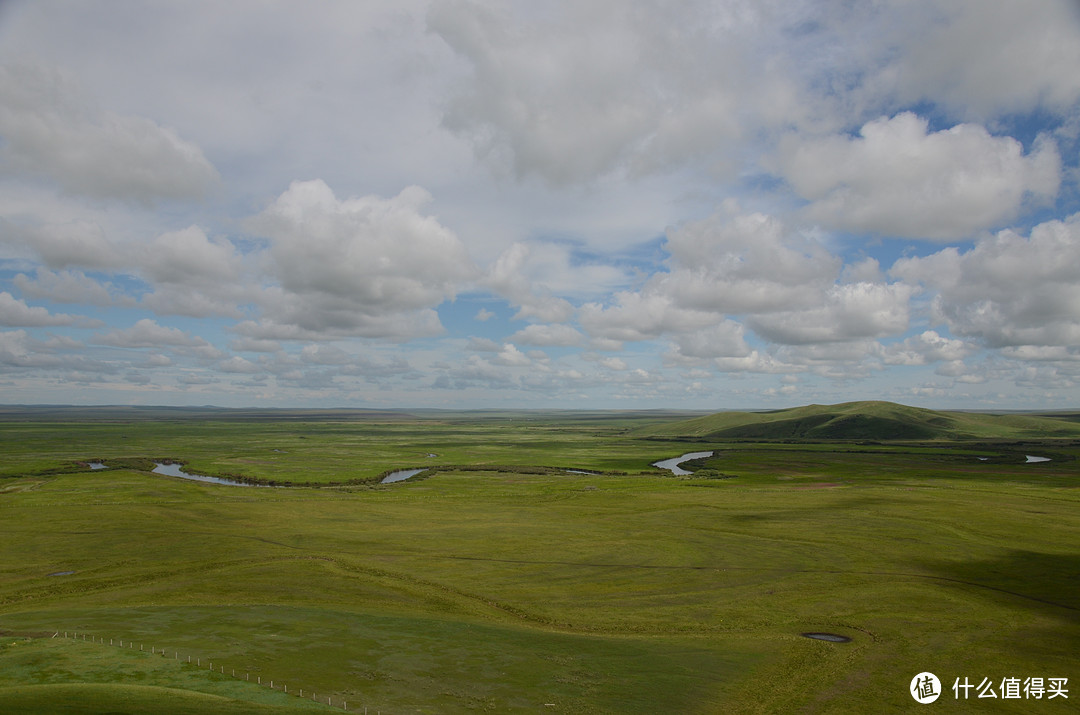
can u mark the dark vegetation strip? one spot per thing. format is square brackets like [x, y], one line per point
[837, 572]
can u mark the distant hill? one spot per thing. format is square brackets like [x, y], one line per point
[863, 421]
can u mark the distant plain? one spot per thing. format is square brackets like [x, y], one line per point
[498, 580]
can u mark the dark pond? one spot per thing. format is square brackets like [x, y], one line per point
[831, 637]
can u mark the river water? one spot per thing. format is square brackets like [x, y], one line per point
[174, 470]
[400, 475]
[674, 462]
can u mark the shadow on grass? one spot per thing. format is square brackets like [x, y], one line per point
[1049, 583]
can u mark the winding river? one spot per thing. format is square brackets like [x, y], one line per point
[174, 470]
[673, 463]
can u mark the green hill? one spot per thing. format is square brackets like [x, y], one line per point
[871, 420]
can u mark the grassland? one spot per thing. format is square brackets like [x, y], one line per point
[507, 584]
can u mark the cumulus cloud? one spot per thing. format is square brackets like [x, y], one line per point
[724, 340]
[190, 253]
[366, 267]
[738, 263]
[77, 243]
[852, 311]
[16, 313]
[548, 335]
[238, 365]
[146, 333]
[1007, 290]
[193, 274]
[898, 179]
[50, 129]
[517, 275]
[982, 59]
[20, 352]
[636, 316]
[579, 89]
[928, 347]
[66, 287]
[781, 282]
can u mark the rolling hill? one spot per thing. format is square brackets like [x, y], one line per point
[869, 420]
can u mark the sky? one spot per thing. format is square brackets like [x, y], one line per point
[594, 204]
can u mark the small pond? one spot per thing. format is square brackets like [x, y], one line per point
[830, 637]
[1031, 458]
[95, 465]
[674, 462]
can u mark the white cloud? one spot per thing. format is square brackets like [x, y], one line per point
[510, 356]
[641, 316]
[65, 287]
[738, 263]
[1007, 290]
[928, 347]
[550, 335]
[188, 254]
[146, 333]
[576, 90]
[75, 243]
[614, 131]
[16, 313]
[194, 275]
[325, 355]
[725, 340]
[50, 129]
[983, 58]
[514, 275]
[367, 267]
[852, 311]
[613, 363]
[239, 365]
[19, 351]
[1042, 353]
[898, 179]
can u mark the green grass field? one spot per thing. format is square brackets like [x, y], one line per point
[506, 584]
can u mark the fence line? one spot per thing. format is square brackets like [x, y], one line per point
[154, 650]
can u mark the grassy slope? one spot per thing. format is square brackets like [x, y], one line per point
[862, 421]
[495, 590]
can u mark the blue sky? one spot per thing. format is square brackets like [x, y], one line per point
[593, 204]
